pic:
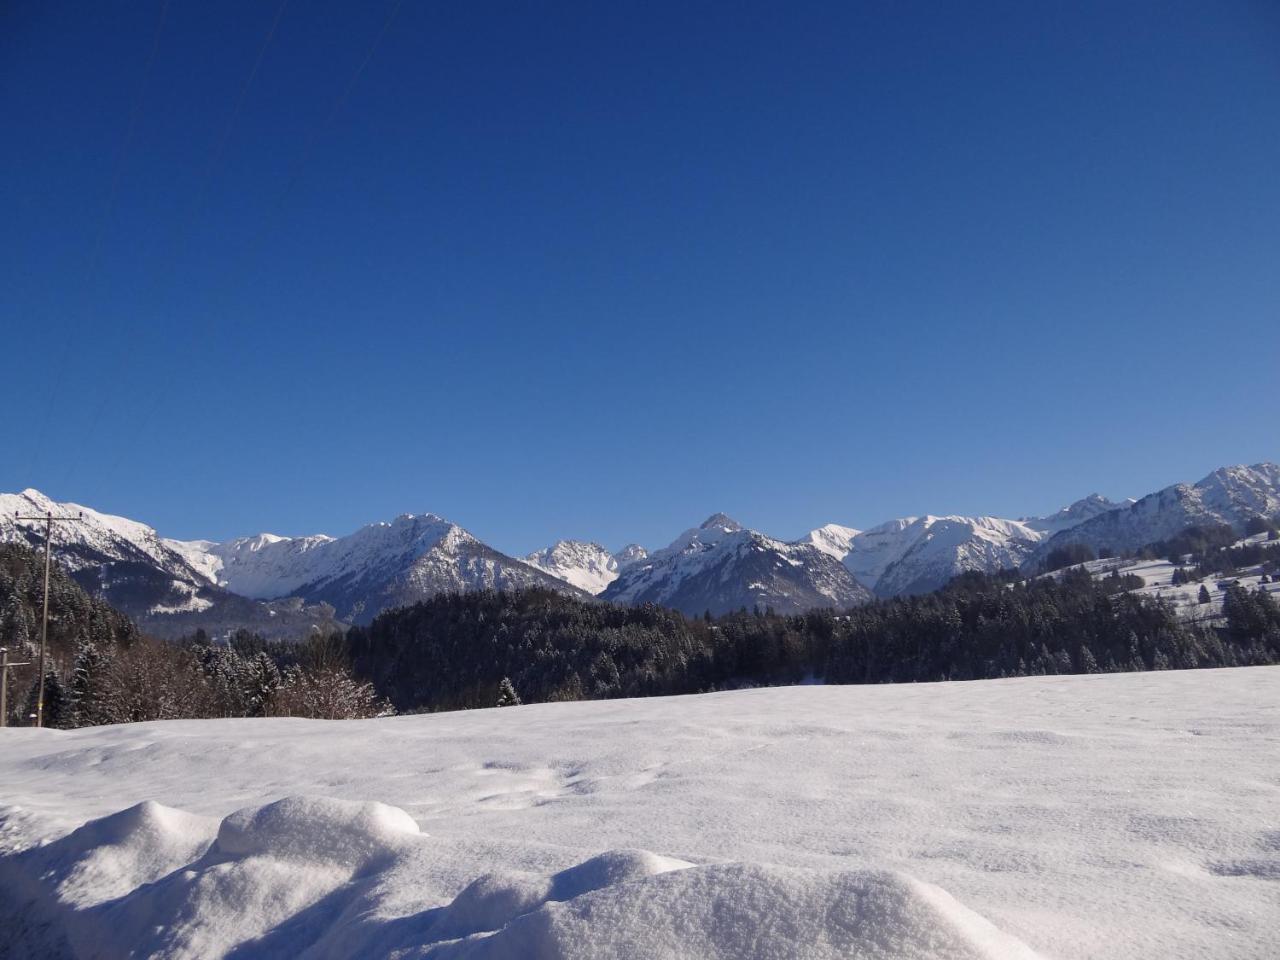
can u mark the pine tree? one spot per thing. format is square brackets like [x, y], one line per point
[1204, 596]
[507, 696]
[56, 702]
[262, 679]
[86, 695]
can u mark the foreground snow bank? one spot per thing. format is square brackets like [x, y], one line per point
[1116, 817]
[733, 911]
[306, 876]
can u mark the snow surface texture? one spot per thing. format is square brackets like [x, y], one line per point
[1117, 816]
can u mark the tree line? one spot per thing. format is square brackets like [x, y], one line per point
[491, 648]
[454, 650]
[102, 669]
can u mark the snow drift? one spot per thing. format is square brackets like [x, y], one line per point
[308, 876]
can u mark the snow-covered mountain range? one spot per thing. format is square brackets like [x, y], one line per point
[722, 566]
[162, 584]
[918, 554]
[285, 586]
[1230, 495]
[278, 586]
[381, 565]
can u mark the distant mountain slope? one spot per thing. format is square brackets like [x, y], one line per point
[278, 586]
[1230, 495]
[919, 554]
[587, 566]
[165, 587]
[832, 539]
[381, 565]
[722, 566]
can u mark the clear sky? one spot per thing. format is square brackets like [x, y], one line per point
[598, 270]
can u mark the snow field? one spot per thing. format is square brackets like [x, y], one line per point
[1116, 816]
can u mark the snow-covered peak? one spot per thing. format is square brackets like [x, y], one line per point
[92, 538]
[587, 566]
[1241, 489]
[1086, 508]
[631, 553]
[832, 539]
[1229, 495]
[914, 554]
[711, 532]
[721, 521]
[721, 566]
[267, 565]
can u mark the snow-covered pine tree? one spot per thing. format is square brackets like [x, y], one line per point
[56, 702]
[262, 679]
[507, 696]
[86, 695]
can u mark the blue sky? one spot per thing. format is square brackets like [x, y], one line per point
[599, 270]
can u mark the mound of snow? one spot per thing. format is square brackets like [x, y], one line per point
[108, 857]
[317, 830]
[738, 910]
[495, 899]
[317, 877]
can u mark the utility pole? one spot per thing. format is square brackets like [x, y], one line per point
[49, 520]
[5, 666]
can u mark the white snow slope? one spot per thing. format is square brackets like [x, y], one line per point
[587, 566]
[918, 554]
[93, 538]
[1111, 817]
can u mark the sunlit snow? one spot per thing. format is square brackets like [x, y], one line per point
[1114, 816]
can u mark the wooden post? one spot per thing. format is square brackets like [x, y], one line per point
[48, 519]
[5, 667]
